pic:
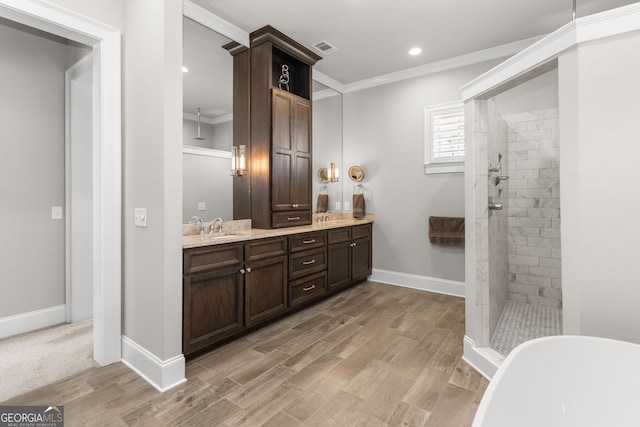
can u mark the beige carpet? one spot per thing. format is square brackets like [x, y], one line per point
[34, 359]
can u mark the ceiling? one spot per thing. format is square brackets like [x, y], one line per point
[373, 37]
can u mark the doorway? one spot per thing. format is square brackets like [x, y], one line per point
[106, 159]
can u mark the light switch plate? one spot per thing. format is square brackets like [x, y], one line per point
[140, 217]
[56, 212]
[347, 205]
[202, 206]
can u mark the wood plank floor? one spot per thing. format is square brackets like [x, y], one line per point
[373, 355]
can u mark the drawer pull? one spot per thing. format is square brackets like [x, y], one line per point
[293, 218]
[308, 288]
[306, 242]
[313, 261]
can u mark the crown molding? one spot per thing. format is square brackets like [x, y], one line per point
[214, 22]
[443, 65]
[546, 50]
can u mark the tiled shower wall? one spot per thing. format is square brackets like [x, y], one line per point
[533, 200]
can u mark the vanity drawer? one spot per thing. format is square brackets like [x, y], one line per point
[359, 231]
[303, 242]
[265, 248]
[212, 257]
[339, 235]
[290, 218]
[307, 288]
[307, 262]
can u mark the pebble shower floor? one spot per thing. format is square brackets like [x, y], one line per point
[521, 322]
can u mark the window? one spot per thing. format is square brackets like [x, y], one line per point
[444, 138]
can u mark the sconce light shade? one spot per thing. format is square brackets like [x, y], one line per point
[333, 172]
[238, 160]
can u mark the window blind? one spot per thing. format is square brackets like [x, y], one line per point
[448, 134]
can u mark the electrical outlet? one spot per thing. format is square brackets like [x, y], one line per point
[337, 206]
[202, 206]
[347, 206]
[56, 212]
[140, 217]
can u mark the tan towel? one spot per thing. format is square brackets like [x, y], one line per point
[359, 209]
[445, 230]
[323, 203]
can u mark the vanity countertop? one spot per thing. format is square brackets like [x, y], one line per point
[242, 235]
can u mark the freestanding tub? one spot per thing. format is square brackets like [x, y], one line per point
[568, 381]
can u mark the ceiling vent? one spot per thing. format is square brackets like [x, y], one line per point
[324, 47]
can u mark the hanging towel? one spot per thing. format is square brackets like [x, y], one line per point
[359, 209]
[444, 230]
[323, 203]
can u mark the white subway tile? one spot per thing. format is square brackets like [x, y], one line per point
[535, 222]
[543, 213]
[534, 193]
[523, 260]
[523, 288]
[544, 153]
[526, 279]
[549, 273]
[541, 242]
[550, 263]
[544, 301]
[534, 135]
[534, 164]
[543, 183]
[533, 251]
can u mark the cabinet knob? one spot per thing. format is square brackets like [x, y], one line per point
[313, 261]
[242, 271]
[308, 288]
[248, 269]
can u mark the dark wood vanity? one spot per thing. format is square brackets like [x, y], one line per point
[230, 289]
[234, 287]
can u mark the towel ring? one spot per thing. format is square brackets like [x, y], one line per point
[323, 188]
[358, 187]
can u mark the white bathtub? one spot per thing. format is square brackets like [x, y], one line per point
[568, 381]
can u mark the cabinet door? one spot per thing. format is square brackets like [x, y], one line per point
[265, 289]
[361, 258]
[283, 150]
[301, 182]
[339, 265]
[291, 152]
[212, 307]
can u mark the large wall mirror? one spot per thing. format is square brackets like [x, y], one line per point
[207, 85]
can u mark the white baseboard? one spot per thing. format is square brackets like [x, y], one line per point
[483, 359]
[26, 322]
[161, 374]
[424, 283]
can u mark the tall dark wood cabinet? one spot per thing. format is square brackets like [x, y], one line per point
[276, 192]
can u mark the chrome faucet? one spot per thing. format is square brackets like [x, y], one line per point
[198, 220]
[325, 217]
[216, 226]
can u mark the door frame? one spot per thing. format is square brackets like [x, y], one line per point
[107, 177]
[75, 255]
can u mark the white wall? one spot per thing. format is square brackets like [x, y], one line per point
[207, 179]
[383, 133]
[152, 101]
[599, 148]
[32, 257]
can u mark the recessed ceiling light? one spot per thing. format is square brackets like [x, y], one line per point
[415, 51]
[185, 69]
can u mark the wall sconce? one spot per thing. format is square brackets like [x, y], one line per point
[333, 173]
[238, 160]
